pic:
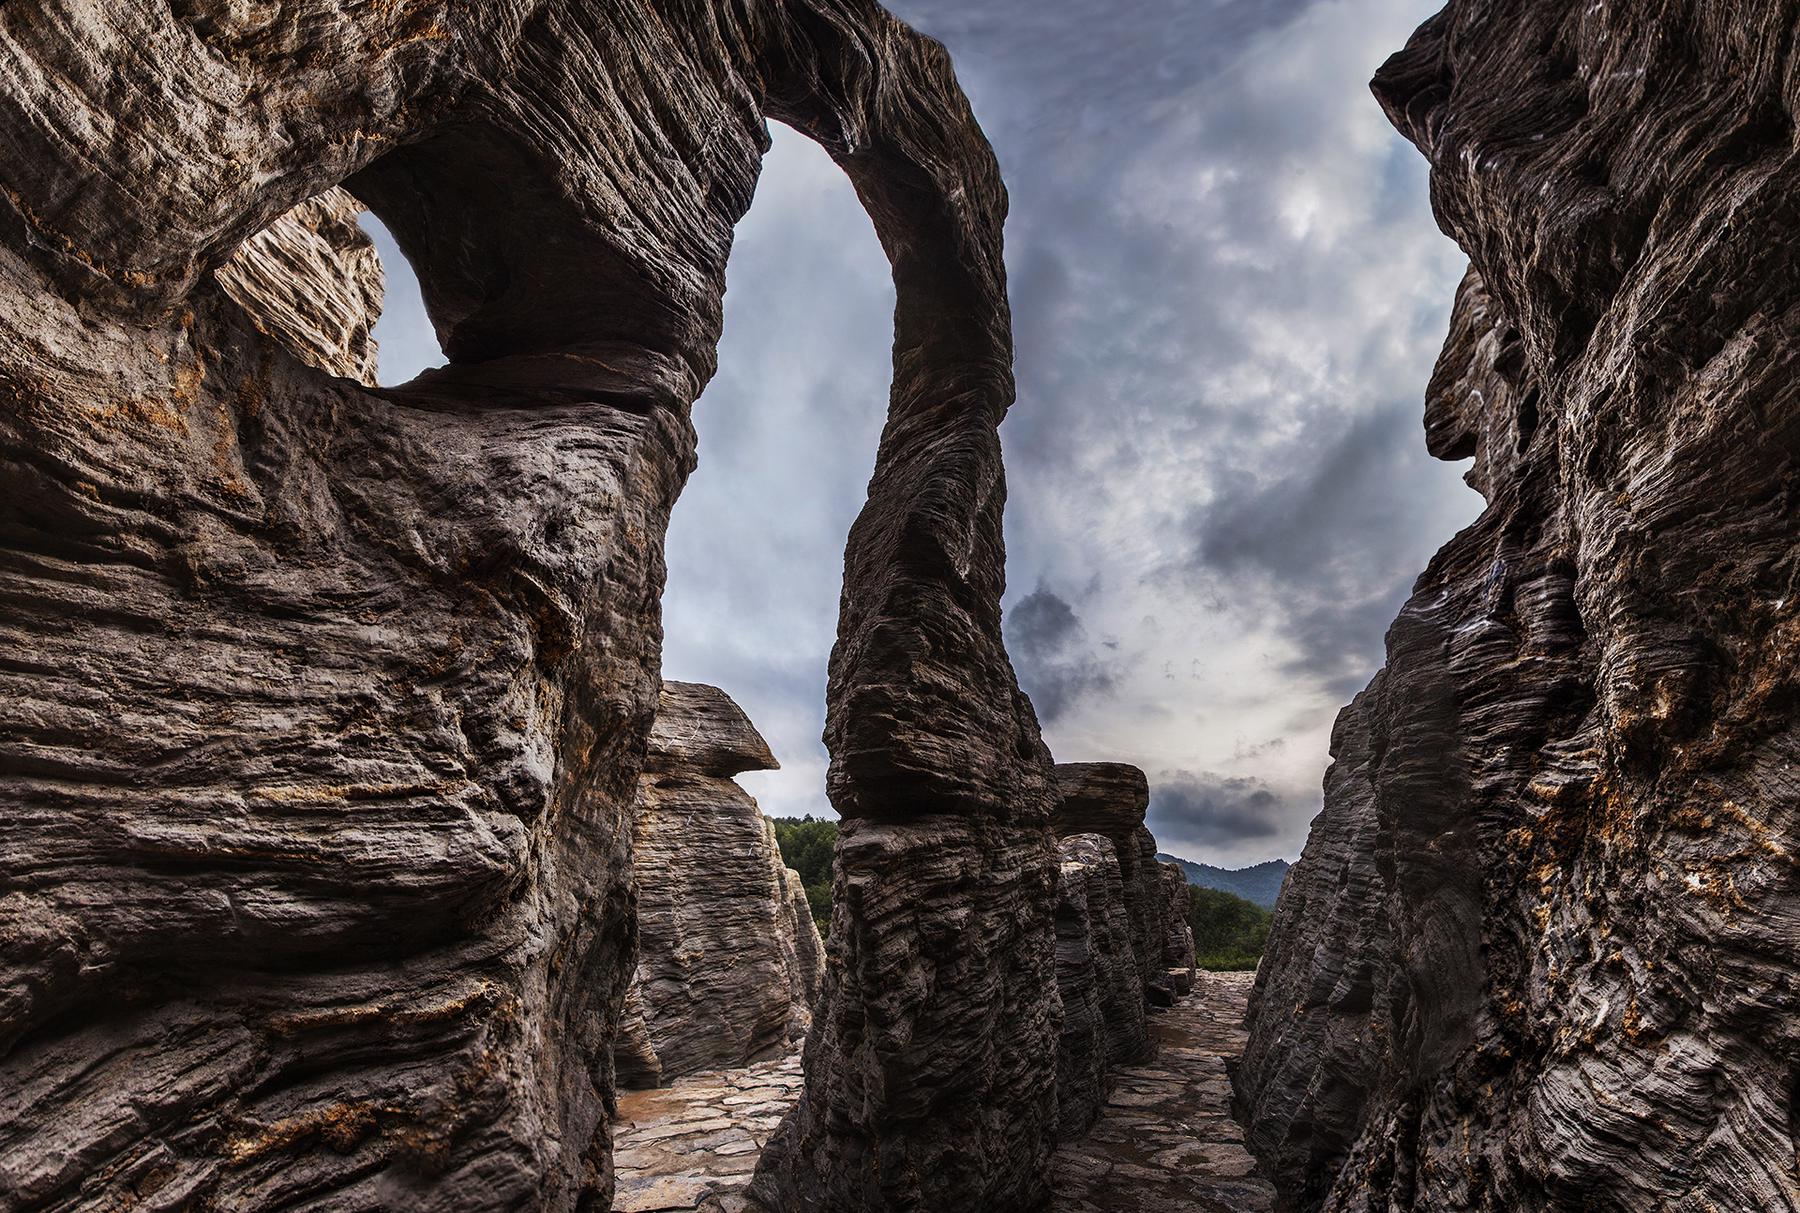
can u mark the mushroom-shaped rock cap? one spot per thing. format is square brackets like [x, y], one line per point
[1100, 798]
[700, 728]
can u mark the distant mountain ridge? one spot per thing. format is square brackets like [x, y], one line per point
[1260, 883]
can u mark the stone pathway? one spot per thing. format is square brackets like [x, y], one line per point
[1165, 1142]
[692, 1145]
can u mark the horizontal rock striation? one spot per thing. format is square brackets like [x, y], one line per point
[1538, 952]
[1122, 936]
[1098, 977]
[1110, 799]
[1177, 956]
[727, 972]
[323, 707]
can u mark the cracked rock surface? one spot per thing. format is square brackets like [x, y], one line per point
[1538, 952]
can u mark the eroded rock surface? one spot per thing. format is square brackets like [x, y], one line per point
[312, 281]
[727, 972]
[1177, 955]
[322, 708]
[1099, 978]
[1110, 799]
[1538, 953]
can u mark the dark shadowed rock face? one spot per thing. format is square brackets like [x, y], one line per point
[1098, 975]
[322, 708]
[727, 972]
[1110, 799]
[1538, 954]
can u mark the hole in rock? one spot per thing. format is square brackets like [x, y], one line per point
[788, 430]
[406, 342]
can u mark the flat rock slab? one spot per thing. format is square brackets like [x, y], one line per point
[692, 1145]
[1165, 1140]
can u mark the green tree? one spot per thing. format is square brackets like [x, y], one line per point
[807, 846]
[1229, 932]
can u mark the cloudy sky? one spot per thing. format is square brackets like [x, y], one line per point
[1228, 292]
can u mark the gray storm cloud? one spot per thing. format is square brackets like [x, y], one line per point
[1207, 812]
[1055, 662]
[1228, 292]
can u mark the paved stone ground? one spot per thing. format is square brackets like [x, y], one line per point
[692, 1145]
[1165, 1143]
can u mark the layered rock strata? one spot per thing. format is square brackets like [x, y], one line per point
[1538, 953]
[1110, 799]
[727, 972]
[322, 708]
[1097, 974]
[1116, 927]
[1177, 956]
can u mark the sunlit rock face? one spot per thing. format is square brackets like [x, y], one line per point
[323, 707]
[727, 972]
[1538, 954]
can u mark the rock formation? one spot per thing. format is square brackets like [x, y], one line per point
[1110, 799]
[1538, 954]
[312, 281]
[323, 707]
[1122, 937]
[728, 964]
[1098, 976]
[1177, 954]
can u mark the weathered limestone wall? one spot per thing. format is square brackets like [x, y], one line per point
[727, 972]
[1177, 957]
[1110, 799]
[1538, 954]
[323, 707]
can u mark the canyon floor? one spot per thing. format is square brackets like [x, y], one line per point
[1165, 1142]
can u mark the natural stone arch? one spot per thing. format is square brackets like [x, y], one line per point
[329, 702]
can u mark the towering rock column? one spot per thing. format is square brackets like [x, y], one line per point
[729, 961]
[1538, 953]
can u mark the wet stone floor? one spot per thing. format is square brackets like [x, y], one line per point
[1166, 1141]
